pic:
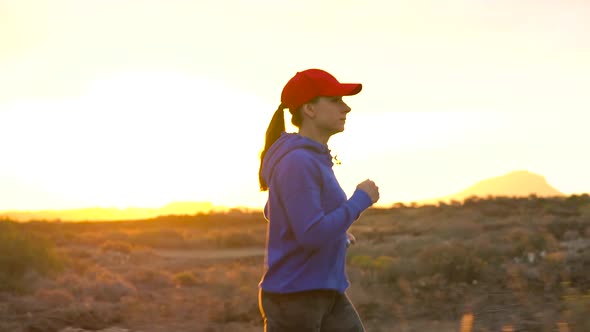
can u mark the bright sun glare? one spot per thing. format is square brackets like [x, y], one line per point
[142, 139]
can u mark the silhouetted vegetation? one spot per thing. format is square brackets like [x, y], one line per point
[21, 254]
[503, 261]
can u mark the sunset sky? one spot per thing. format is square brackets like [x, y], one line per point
[120, 103]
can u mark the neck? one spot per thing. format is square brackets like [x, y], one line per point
[315, 135]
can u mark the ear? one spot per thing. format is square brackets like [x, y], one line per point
[308, 110]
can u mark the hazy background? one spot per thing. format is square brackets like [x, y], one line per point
[142, 103]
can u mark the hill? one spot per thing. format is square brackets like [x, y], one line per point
[514, 184]
[111, 214]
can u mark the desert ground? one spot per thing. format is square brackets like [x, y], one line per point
[482, 264]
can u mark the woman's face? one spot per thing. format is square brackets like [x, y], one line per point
[330, 114]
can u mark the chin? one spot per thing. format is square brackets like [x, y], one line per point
[336, 131]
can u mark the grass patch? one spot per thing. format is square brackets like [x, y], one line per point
[23, 253]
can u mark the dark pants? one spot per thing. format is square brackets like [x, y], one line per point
[317, 310]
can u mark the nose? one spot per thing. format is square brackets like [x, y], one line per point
[347, 108]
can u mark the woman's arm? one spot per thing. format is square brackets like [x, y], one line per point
[298, 184]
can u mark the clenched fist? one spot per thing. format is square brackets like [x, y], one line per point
[370, 188]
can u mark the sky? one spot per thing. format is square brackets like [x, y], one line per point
[121, 103]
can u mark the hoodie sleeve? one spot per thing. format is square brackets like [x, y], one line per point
[298, 182]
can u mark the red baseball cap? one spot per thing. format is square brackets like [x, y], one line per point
[311, 83]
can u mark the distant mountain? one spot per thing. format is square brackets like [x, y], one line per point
[110, 214]
[518, 183]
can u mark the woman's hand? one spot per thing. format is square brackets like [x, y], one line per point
[370, 188]
[351, 239]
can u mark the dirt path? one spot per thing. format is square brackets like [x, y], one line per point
[210, 254]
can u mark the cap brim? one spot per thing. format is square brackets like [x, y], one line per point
[346, 89]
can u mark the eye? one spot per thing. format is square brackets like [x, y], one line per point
[336, 99]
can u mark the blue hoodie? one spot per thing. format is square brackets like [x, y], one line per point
[308, 215]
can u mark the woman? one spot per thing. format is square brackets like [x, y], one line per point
[304, 282]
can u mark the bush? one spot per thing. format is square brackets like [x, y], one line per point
[117, 246]
[21, 253]
[151, 278]
[361, 261]
[55, 298]
[109, 287]
[234, 309]
[455, 262]
[578, 266]
[577, 306]
[186, 279]
[161, 238]
[95, 316]
[236, 238]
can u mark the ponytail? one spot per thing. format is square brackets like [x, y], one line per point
[275, 128]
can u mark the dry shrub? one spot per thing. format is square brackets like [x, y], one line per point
[161, 238]
[542, 240]
[519, 240]
[90, 238]
[233, 274]
[243, 276]
[79, 253]
[490, 249]
[27, 253]
[555, 259]
[561, 225]
[97, 283]
[497, 210]
[21, 305]
[235, 292]
[457, 229]
[117, 246]
[186, 279]
[71, 281]
[551, 270]
[150, 278]
[524, 240]
[578, 266]
[117, 236]
[361, 261]
[571, 235]
[382, 269]
[55, 297]
[9, 326]
[65, 238]
[79, 260]
[196, 241]
[236, 238]
[238, 326]
[409, 247]
[434, 296]
[4, 309]
[79, 266]
[234, 309]
[585, 210]
[368, 301]
[91, 317]
[236, 295]
[110, 287]
[142, 255]
[577, 307]
[455, 262]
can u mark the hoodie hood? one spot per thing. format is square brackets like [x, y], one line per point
[288, 142]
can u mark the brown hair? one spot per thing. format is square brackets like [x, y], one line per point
[275, 128]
